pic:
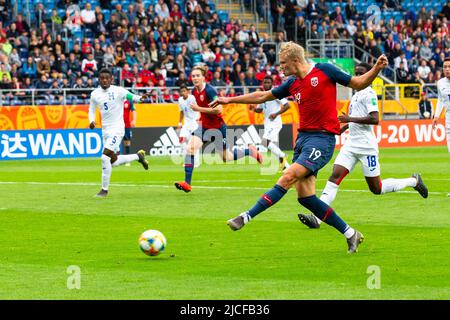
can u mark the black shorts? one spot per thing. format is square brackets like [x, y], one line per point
[213, 134]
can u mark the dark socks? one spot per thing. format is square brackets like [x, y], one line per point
[324, 212]
[188, 168]
[267, 200]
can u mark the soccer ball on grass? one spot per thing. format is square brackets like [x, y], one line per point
[152, 242]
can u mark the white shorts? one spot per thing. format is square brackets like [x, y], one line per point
[369, 162]
[271, 133]
[187, 129]
[112, 140]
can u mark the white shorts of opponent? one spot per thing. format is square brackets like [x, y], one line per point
[187, 129]
[271, 133]
[112, 139]
[369, 161]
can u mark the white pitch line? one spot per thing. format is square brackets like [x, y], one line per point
[89, 184]
[273, 180]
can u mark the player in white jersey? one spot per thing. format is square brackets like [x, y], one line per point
[443, 103]
[110, 100]
[272, 123]
[190, 116]
[361, 146]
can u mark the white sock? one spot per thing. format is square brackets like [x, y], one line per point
[106, 171]
[328, 195]
[127, 158]
[349, 232]
[392, 185]
[246, 217]
[275, 150]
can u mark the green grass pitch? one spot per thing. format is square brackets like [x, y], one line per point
[49, 221]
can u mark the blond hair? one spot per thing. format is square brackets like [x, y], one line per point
[291, 50]
[202, 69]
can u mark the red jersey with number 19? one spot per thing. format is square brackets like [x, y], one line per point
[203, 98]
[316, 97]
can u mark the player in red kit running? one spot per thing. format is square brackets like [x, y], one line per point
[211, 124]
[129, 118]
[314, 89]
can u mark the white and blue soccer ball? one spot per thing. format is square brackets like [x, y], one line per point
[152, 242]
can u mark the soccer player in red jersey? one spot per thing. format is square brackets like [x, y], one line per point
[129, 118]
[314, 89]
[211, 124]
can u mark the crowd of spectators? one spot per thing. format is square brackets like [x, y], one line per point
[416, 42]
[146, 45]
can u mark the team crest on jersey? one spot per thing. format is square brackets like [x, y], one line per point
[202, 98]
[314, 81]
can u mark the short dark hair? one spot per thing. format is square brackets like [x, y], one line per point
[183, 86]
[447, 59]
[105, 70]
[268, 78]
[364, 65]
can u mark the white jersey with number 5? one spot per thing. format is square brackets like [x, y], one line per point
[110, 102]
[361, 138]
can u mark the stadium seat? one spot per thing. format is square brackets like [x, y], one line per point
[88, 33]
[62, 13]
[223, 15]
[170, 82]
[15, 102]
[23, 53]
[196, 58]
[49, 4]
[78, 35]
[41, 101]
[106, 14]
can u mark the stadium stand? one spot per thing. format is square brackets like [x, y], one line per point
[155, 43]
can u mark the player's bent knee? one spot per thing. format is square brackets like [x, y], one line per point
[113, 158]
[288, 179]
